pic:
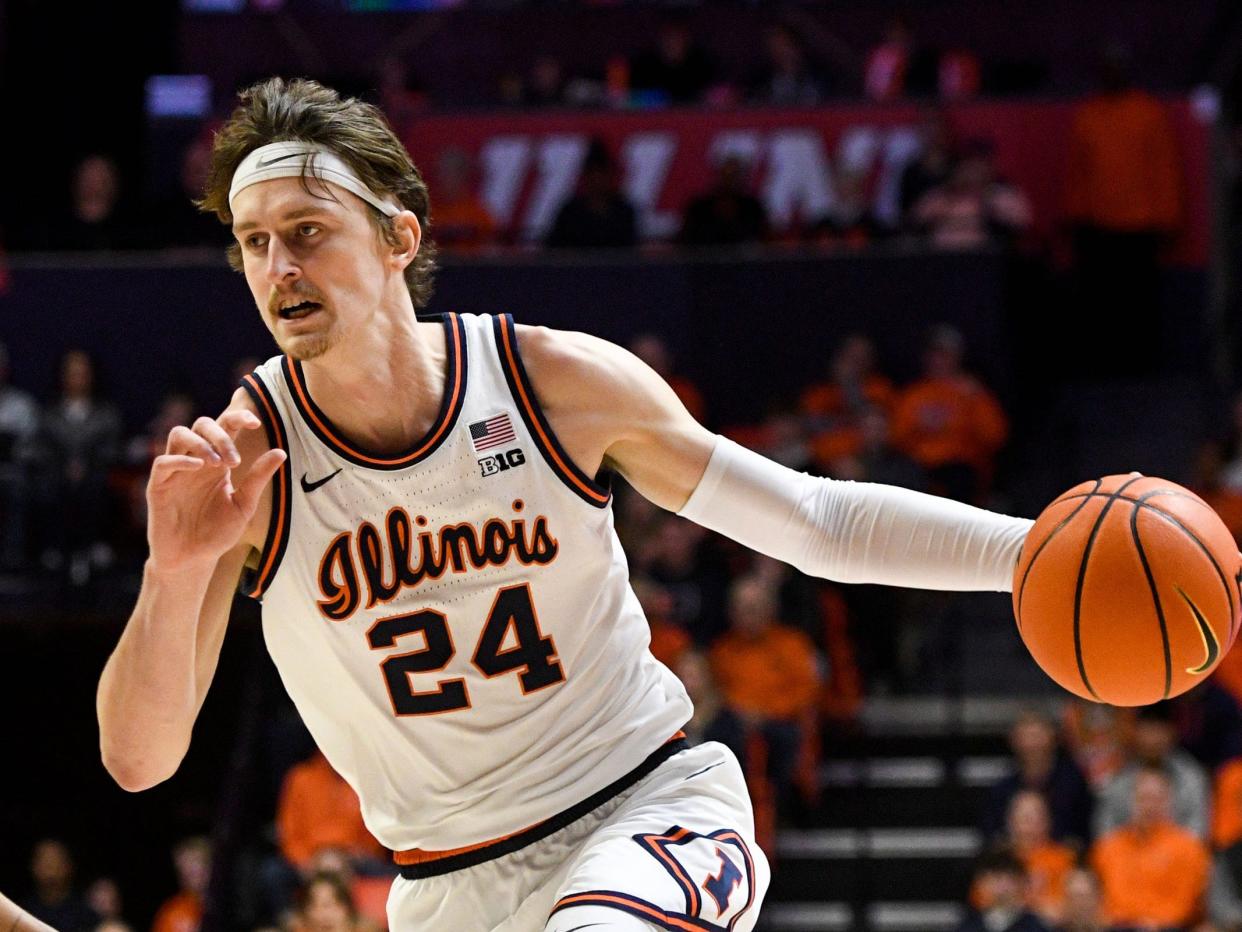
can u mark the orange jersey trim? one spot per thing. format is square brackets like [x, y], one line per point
[281, 492]
[631, 905]
[421, 856]
[568, 472]
[447, 415]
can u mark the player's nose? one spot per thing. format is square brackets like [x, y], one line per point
[281, 265]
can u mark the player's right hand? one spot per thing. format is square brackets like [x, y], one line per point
[197, 505]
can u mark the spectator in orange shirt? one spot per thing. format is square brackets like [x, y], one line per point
[833, 409]
[317, 810]
[1124, 198]
[183, 912]
[768, 675]
[1209, 484]
[669, 640]
[1000, 884]
[1227, 806]
[1047, 863]
[877, 460]
[1228, 674]
[462, 223]
[1153, 872]
[1227, 839]
[949, 423]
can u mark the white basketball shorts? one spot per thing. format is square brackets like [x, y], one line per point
[675, 850]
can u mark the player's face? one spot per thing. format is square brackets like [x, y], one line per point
[315, 265]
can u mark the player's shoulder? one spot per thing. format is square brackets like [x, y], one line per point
[568, 365]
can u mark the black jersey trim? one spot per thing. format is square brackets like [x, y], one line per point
[254, 582]
[582, 485]
[480, 855]
[450, 407]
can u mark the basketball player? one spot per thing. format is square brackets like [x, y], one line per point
[420, 505]
[15, 919]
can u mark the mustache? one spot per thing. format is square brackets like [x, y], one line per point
[302, 290]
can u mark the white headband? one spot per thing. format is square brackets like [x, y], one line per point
[291, 160]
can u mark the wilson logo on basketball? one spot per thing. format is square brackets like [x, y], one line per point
[388, 563]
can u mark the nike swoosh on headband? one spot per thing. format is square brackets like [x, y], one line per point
[262, 163]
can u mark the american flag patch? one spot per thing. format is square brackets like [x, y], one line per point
[492, 432]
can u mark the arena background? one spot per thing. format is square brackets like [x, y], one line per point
[920, 174]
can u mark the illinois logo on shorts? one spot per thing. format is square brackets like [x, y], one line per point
[706, 884]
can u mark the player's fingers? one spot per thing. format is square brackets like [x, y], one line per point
[246, 493]
[169, 463]
[236, 420]
[183, 441]
[219, 439]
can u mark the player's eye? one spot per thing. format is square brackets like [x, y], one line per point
[255, 241]
[308, 229]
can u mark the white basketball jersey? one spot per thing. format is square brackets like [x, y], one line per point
[455, 623]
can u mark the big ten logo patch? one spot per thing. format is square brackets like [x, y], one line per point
[501, 462]
[715, 872]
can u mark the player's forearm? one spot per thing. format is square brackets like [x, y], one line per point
[148, 694]
[15, 919]
[855, 532]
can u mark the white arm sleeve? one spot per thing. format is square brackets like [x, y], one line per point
[855, 532]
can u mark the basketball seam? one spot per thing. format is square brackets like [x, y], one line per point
[1174, 519]
[1068, 496]
[1051, 534]
[1082, 578]
[1155, 596]
[1142, 502]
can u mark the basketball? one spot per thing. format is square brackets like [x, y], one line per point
[1127, 590]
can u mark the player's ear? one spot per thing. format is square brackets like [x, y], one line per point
[409, 238]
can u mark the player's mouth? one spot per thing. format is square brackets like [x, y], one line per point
[299, 311]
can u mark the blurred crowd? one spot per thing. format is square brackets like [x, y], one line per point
[1118, 819]
[1122, 201]
[952, 197]
[325, 896]
[1105, 820]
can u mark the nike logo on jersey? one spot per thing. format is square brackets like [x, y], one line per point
[309, 487]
